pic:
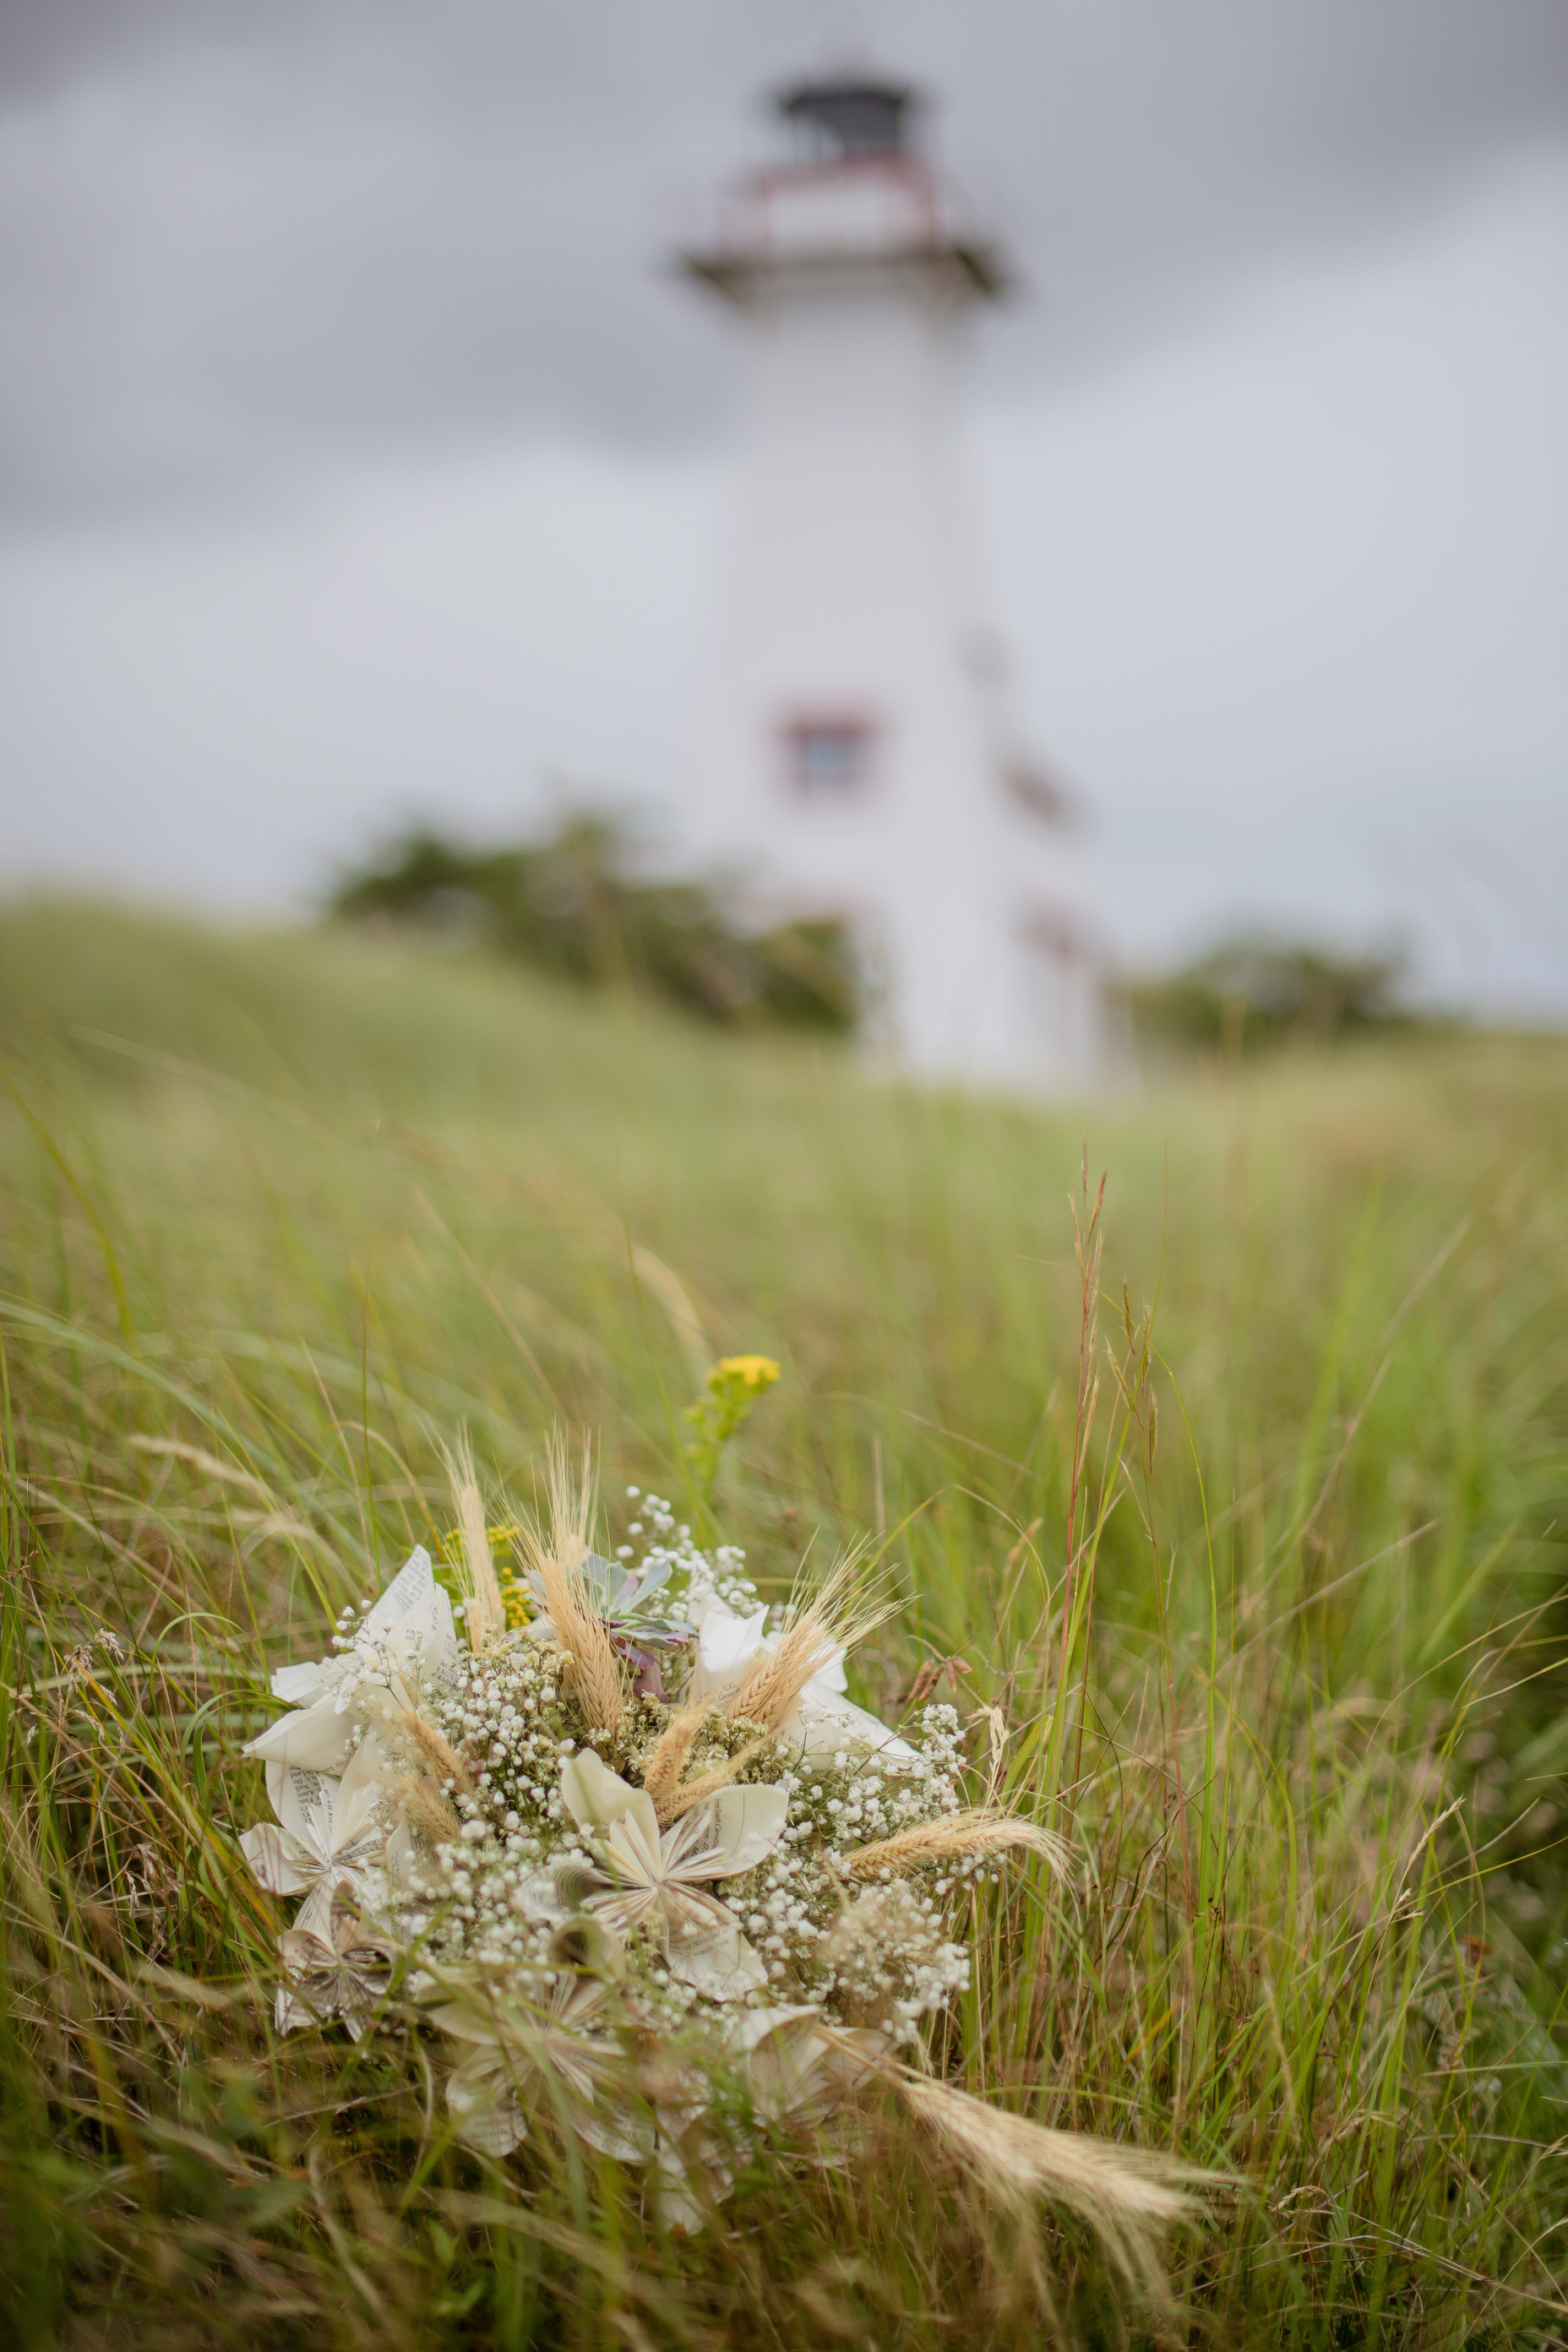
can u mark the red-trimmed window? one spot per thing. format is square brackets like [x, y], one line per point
[1055, 932]
[828, 753]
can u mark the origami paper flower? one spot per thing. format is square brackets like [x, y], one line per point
[822, 1718]
[409, 1632]
[339, 1969]
[490, 2091]
[654, 1878]
[794, 2064]
[328, 1833]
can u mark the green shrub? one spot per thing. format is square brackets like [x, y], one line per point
[574, 904]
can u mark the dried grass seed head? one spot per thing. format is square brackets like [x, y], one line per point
[481, 1588]
[981, 1829]
[1128, 2198]
[431, 1742]
[666, 1761]
[819, 1620]
[556, 1560]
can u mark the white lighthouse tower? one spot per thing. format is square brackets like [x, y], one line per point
[852, 753]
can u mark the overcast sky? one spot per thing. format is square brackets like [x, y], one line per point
[360, 451]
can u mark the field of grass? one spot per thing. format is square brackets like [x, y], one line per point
[1273, 1630]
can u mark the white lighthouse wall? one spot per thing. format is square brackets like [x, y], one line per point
[853, 590]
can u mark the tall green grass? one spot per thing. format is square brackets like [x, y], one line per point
[1257, 1596]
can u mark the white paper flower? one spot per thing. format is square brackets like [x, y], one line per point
[794, 2064]
[655, 1876]
[822, 1718]
[409, 1632]
[510, 2055]
[340, 1969]
[328, 1833]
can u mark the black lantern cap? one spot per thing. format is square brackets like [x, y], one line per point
[851, 116]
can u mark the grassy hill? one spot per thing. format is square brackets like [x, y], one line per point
[295, 1206]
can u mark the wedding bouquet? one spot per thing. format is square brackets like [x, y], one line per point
[615, 1832]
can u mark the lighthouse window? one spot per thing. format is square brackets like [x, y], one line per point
[829, 756]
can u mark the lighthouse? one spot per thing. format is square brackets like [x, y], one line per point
[852, 753]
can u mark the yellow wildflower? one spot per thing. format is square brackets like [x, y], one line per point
[733, 1387]
[513, 1594]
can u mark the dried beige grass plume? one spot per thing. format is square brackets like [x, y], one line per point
[558, 1564]
[667, 1760]
[1129, 2199]
[429, 1807]
[980, 1830]
[437, 1750]
[839, 1612]
[675, 1801]
[487, 1610]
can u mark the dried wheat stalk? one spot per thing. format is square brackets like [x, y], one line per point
[428, 1806]
[667, 1760]
[837, 1613]
[558, 1564]
[675, 1801]
[487, 1610]
[1129, 2197]
[438, 1750]
[980, 1830]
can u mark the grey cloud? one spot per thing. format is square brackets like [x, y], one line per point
[243, 243]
